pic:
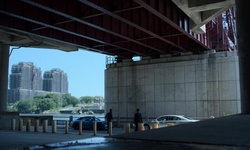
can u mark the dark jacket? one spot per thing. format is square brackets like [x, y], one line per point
[138, 118]
[109, 117]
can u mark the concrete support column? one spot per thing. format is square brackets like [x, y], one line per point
[4, 65]
[243, 38]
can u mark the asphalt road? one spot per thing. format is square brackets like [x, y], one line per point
[25, 139]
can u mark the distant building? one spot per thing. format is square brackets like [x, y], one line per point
[25, 81]
[25, 76]
[55, 81]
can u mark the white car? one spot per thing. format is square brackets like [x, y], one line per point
[168, 120]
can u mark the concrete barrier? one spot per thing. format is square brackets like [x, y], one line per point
[155, 125]
[141, 127]
[6, 120]
[127, 127]
[170, 124]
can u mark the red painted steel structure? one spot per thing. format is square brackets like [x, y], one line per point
[221, 32]
[123, 28]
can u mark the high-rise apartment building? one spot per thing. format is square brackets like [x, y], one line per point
[55, 81]
[25, 78]
[25, 81]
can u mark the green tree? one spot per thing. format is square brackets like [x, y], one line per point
[56, 98]
[39, 104]
[26, 106]
[98, 99]
[45, 104]
[69, 100]
[87, 99]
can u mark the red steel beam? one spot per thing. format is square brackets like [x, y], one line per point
[86, 2]
[90, 24]
[166, 19]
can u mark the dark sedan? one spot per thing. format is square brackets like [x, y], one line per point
[88, 123]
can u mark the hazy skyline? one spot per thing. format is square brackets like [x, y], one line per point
[85, 69]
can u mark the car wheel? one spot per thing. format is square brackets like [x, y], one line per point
[76, 126]
[146, 127]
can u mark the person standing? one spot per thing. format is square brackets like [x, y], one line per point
[137, 119]
[109, 117]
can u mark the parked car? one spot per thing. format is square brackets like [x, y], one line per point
[88, 123]
[167, 120]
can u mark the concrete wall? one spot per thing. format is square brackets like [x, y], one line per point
[196, 86]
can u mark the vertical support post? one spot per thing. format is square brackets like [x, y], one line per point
[155, 125]
[66, 127]
[28, 125]
[243, 39]
[13, 124]
[4, 67]
[36, 126]
[45, 126]
[54, 126]
[140, 127]
[80, 127]
[110, 128]
[170, 124]
[127, 127]
[20, 127]
[95, 128]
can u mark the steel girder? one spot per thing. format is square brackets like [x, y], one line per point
[123, 28]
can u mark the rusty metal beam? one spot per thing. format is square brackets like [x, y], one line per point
[60, 29]
[86, 2]
[167, 20]
[125, 27]
[89, 24]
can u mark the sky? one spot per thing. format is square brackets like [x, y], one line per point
[85, 69]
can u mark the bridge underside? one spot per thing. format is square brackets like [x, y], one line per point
[123, 28]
